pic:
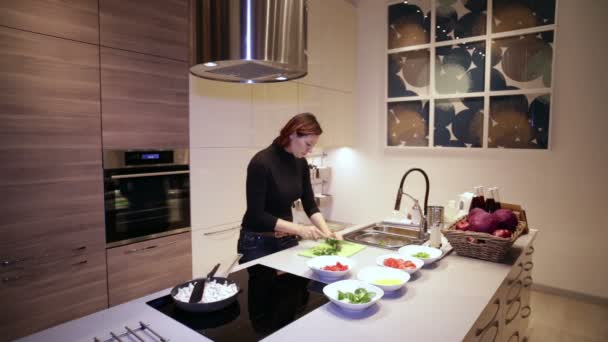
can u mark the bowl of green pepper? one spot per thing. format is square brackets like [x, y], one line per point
[353, 295]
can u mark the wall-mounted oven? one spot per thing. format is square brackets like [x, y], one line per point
[147, 194]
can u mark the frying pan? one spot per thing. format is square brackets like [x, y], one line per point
[212, 306]
[205, 307]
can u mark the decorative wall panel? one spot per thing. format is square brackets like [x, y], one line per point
[470, 73]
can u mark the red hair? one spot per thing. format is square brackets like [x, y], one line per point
[302, 124]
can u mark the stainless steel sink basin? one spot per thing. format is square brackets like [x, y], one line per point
[386, 236]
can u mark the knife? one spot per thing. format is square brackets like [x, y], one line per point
[199, 287]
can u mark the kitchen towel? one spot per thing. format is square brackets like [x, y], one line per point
[348, 249]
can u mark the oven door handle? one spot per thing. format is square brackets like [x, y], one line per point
[150, 174]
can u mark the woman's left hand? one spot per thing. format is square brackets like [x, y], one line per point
[337, 236]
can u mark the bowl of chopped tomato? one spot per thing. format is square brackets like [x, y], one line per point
[330, 266]
[398, 261]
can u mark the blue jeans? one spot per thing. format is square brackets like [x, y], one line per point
[254, 246]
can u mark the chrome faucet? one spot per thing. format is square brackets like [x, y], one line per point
[422, 229]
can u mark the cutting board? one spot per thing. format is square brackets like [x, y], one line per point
[348, 249]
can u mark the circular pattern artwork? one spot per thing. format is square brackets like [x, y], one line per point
[519, 121]
[408, 25]
[460, 19]
[523, 61]
[457, 124]
[408, 73]
[495, 95]
[407, 123]
[509, 15]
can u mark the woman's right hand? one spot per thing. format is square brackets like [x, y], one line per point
[310, 232]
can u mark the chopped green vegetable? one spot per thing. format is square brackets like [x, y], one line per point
[361, 296]
[422, 255]
[330, 247]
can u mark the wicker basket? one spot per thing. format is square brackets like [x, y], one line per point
[485, 246]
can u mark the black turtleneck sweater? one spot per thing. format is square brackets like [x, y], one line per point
[275, 179]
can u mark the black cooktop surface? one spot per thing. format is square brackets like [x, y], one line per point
[269, 300]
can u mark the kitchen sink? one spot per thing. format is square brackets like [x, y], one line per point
[383, 235]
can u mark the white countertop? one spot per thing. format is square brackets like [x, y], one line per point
[440, 303]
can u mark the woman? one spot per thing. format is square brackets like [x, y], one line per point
[276, 177]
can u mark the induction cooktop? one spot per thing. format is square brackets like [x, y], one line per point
[269, 300]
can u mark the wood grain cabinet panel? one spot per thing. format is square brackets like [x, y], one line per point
[50, 141]
[154, 27]
[144, 101]
[143, 268]
[51, 182]
[71, 19]
[51, 292]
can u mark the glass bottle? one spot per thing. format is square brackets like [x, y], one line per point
[478, 199]
[496, 198]
[490, 202]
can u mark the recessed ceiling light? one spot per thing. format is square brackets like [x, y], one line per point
[210, 64]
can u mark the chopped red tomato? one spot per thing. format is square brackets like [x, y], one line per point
[399, 263]
[337, 267]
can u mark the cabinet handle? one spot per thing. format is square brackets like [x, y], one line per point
[515, 334]
[528, 266]
[150, 174]
[135, 250]
[529, 311]
[493, 321]
[521, 270]
[143, 249]
[9, 262]
[481, 332]
[511, 319]
[10, 279]
[14, 278]
[513, 298]
[527, 281]
[221, 231]
[80, 263]
[530, 250]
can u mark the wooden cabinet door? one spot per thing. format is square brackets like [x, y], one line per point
[71, 19]
[51, 291]
[51, 146]
[273, 105]
[217, 182]
[221, 114]
[518, 309]
[332, 45]
[144, 101]
[214, 245]
[50, 179]
[154, 27]
[142, 268]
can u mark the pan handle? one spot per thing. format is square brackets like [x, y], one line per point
[236, 259]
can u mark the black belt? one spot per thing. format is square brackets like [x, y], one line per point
[278, 235]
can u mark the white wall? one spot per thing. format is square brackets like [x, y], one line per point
[564, 190]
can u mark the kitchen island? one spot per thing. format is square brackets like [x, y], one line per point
[442, 302]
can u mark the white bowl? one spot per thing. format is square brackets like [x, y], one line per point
[410, 250]
[349, 285]
[316, 265]
[419, 263]
[372, 274]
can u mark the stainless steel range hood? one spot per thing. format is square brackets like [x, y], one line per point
[250, 41]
